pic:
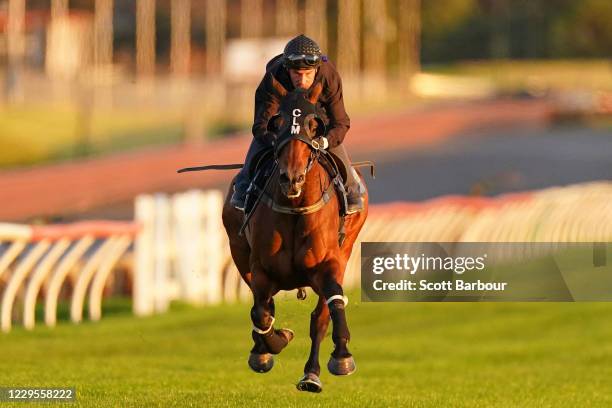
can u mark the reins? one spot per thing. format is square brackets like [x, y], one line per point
[269, 200]
[315, 153]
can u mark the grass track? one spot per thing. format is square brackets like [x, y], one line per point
[408, 354]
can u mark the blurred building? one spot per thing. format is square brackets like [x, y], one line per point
[190, 37]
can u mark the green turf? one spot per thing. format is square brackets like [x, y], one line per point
[42, 133]
[534, 75]
[467, 354]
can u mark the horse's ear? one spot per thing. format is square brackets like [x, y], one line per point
[311, 126]
[315, 93]
[314, 125]
[321, 128]
[279, 88]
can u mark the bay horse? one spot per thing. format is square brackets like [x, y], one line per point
[293, 240]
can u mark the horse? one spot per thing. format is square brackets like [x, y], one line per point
[297, 239]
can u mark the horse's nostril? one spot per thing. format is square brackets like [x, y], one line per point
[284, 178]
[301, 178]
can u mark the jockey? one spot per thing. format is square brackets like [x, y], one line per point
[300, 66]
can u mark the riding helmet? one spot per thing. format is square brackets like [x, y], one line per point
[302, 52]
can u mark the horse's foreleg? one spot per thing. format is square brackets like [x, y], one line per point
[341, 361]
[267, 340]
[273, 341]
[319, 320]
[241, 253]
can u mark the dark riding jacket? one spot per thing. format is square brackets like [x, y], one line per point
[331, 103]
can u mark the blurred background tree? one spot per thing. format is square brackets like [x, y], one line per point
[583, 29]
[481, 29]
[83, 77]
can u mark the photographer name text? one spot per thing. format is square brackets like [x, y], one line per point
[409, 266]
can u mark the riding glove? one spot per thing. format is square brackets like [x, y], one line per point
[323, 142]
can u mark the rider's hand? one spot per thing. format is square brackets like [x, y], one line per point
[269, 137]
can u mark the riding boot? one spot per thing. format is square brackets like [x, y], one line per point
[355, 194]
[355, 190]
[240, 188]
[243, 179]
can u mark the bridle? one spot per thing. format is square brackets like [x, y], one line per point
[316, 151]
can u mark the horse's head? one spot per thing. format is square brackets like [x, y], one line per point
[297, 126]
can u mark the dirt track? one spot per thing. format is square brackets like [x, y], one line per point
[86, 185]
[494, 162]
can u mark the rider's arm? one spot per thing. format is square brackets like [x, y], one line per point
[339, 122]
[266, 105]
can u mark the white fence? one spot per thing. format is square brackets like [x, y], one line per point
[181, 250]
[188, 249]
[42, 260]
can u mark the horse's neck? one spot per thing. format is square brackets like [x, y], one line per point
[317, 181]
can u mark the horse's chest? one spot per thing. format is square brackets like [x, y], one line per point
[292, 250]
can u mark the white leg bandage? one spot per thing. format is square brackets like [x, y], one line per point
[266, 331]
[343, 298]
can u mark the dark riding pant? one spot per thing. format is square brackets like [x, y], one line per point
[243, 179]
[352, 183]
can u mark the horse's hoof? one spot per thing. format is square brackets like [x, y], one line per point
[341, 366]
[310, 382]
[301, 294]
[286, 333]
[261, 363]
